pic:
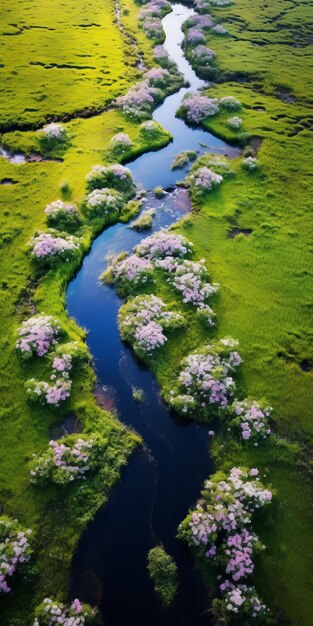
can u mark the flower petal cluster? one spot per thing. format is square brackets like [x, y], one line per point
[206, 179]
[250, 163]
[153, 27]
[120, 143]
[63, 462]
[62, 215]
[196, 107]
[51, 612]
[251, 419]
[130, 269]
[15, 550]
[142, 321]
[194, 35]
[37, 334]
[203, 55]
[162, 244]
[50, 247]
[205, 377]
[59, 389]
[218, 529]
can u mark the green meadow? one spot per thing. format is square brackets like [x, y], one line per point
[265, 277]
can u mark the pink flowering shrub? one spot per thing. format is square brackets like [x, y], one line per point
[58, 390]
[193, 36]
[67, 460]
[51, 612]
[158, 77]
[153, 28]
[37, 334]
[49, 248]
[218, 530]
[240, 599]
[127, 272]
[139, 100]
[161, 56]
[195, 107]
[156, 8]
[142, 321]
[205, 377]
[191, 280]
[114, 176]
[15, 550]
[250, 419]
[62, 215]
[199, 21]
[103, 202]
[162, 244]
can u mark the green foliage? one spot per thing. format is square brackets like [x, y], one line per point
[163, 572]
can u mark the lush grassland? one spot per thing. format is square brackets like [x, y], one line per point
[265, 295]
[60, 57]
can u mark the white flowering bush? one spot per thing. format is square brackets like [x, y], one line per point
[206, 379]
[143, 321]
[54, 131]
[50, 248]
[230, 103]
[114, 176]
[250, 163]
[58, 389]
[234, 122]
[51, 612]
[62, 215]
[15, 550]
[120, 144]
[37, 335]
[219, 29]
[103, 203]
[219, 529]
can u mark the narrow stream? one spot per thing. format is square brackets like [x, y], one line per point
[163, 478]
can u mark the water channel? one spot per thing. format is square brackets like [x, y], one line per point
[164, 477]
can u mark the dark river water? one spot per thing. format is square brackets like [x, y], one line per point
[164, 477]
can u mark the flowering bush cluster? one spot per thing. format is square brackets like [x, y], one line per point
[230, 103]
[156, 8]
[54, 131]
[139, 100]
[15, 550]
[65, 461]
[206, 179]
[37, 334]
[234, 122]
[162, 244]
[130, 269]
[120, 144]
[153, 28]
[114, 176]
[218, 530]
[51, 612]
[103, 202]
[142, 321]
[62, 215]
[161, 56]
[202, 55]
[250, 163]
[219, 29]
[250, 419]
[191, 280]
[50, 248]
[196, 107]
[58, 389]
[194, 35]
[204, 381]
[157, 76]
[150, 129]
[200, 21]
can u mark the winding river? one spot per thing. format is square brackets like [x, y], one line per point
[163, 478]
